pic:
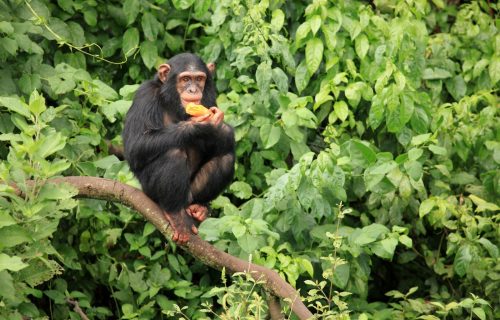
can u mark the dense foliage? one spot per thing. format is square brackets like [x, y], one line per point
[368, 157]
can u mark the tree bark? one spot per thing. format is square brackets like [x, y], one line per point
[106, 189]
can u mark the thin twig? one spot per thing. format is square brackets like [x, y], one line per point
[77, 309]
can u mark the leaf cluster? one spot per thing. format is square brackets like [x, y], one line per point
[389, 107]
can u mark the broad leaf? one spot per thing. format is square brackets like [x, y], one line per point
[314, 54]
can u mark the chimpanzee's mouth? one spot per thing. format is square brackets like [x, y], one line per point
[186, 102]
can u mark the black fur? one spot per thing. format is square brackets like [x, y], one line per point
[159, 154]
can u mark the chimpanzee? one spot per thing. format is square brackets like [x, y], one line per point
[182, 162]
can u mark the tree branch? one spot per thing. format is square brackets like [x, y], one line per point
[274, 308]
[106, 189]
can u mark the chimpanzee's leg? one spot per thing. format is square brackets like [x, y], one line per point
[166, 181]
[209, 181]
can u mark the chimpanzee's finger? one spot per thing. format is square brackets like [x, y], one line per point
[194, 229]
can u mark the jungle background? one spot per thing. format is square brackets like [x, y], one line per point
[368, 152]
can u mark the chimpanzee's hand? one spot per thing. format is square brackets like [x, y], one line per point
[217, 116]
[202, 119]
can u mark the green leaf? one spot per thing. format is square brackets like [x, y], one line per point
[61, 86]
[16, 105]
[307, 266]
[406, 241]
[277, 20]
[6, 27]
[11, 263]
[263, 76]
[385, 248]
[174, 263]
[315, 23]
[110, 47]
[106, 162]
[462, 261]
[415, 153]
[13, 235]
[239, 230]
[321, 97]
[314, 54]
[130, 41]
[52, 191]
[55, 295]
[90, 16]
[483, 205]
[414, 169]
[9, 45]
[302, 76]
[306, 118]
[149, 53]
[438, 150]
[270, 135]
[341, 275]
[426, 206]
[280, 79]
[37, 103]
[362, 45]
[456, 87]
[128, 91]
[479, 67]
[494, 70]
[150, 26]
[462, 178]
[420, 139]
[353, 93]
[383, 79]
[128, 311]
[66, 5]
[77, 34]
[490, 247]
[361, 155]
[115, 108]
[302, 32]
[6, 219]
[105, 92]
[419, 121]
[341, 110]
[436, 73]
[376, 113]
[439, 3]
[479, 313]
[241, 189]
[182, 4]
[30, 82]
[131, 9]
[50, 144]
[248, 243]
[369, 234]
[374, 174]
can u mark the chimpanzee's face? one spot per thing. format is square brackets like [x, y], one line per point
[190, 85]
[189, 76]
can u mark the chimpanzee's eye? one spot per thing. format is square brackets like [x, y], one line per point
[185, 79]
[199, 78]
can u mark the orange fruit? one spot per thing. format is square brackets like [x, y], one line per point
[196, 110]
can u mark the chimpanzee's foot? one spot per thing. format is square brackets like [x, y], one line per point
[182, 225]
[197, 211]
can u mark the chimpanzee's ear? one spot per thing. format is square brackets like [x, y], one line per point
[211, 67]
[163, 71]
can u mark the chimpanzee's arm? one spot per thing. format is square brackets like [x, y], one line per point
[225, 140]
[144, 147]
